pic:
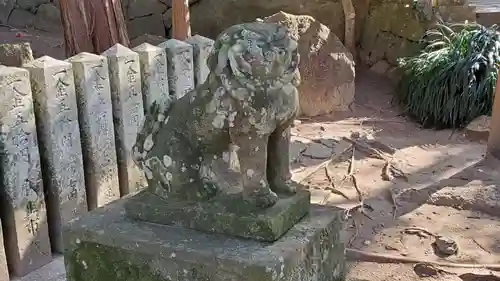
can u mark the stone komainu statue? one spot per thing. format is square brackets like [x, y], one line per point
[248, 100]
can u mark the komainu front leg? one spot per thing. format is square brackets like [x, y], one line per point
[278, 162]
[252, 154]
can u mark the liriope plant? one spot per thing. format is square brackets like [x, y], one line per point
[452, 80]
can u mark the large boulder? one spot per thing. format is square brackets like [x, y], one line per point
[326, 66]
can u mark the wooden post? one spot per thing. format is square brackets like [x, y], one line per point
[350, 27]
[494, 138]
[180, 20]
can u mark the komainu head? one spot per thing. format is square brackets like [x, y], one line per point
[255, 55]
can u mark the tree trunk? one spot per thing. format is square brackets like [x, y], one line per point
[92, 26]
[180, 20]
[350, 27]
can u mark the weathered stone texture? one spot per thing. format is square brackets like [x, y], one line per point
[128, 112]
[96, 127]
[326, 67]
[228, 215]
[107, 246]
[152, 24]
[141, 8]
[479, 129]
[48, 18]
[4, 271]
[154, 40]
[153, 61]
[202, 47]
[15, 54]
[22, 18]
[392, 29]
[31, 5]
[6, 7]
[23, 207]
[250, 103]
[180, 67]
[210, 17]
[56, 112]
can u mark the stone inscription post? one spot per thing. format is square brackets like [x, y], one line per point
[53, 89]
[180, 67]
[96, 128]
[153, 62]
[128, 112]
[24, 213]
[202, 47]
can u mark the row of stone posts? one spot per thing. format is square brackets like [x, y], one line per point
[66, 133]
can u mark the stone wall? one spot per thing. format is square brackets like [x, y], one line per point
[44, 14]
[385, 29]
[142, 16]
[392, 28]
[68, 128]
[149, 16]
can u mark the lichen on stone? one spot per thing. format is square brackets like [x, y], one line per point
[248, 100]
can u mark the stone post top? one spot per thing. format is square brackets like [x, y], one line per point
[9, 70]
[118, 50]
[84, 56]
[199, 38]
[46, 62]
[146, 47]
[174, 44]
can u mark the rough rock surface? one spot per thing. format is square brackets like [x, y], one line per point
[326, 66]
[15, 54]
[107, 246]
[391, 29]
[249, 100]
[154, 40]
[6, 7]
[226, 214]
[48, 18]
[478, 129]
[210, 17]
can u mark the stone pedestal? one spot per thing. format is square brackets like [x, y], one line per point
[227, 214]
[107, 245]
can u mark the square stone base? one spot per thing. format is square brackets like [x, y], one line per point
[106, 245]
[225, 214]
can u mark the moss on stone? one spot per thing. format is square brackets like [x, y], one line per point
[96, 262]
[107, 246]
[227, 214]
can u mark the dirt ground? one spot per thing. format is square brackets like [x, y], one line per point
[440, 184]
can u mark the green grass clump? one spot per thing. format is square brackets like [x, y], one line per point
[452, 81]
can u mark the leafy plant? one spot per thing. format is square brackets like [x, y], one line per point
[452, 81]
